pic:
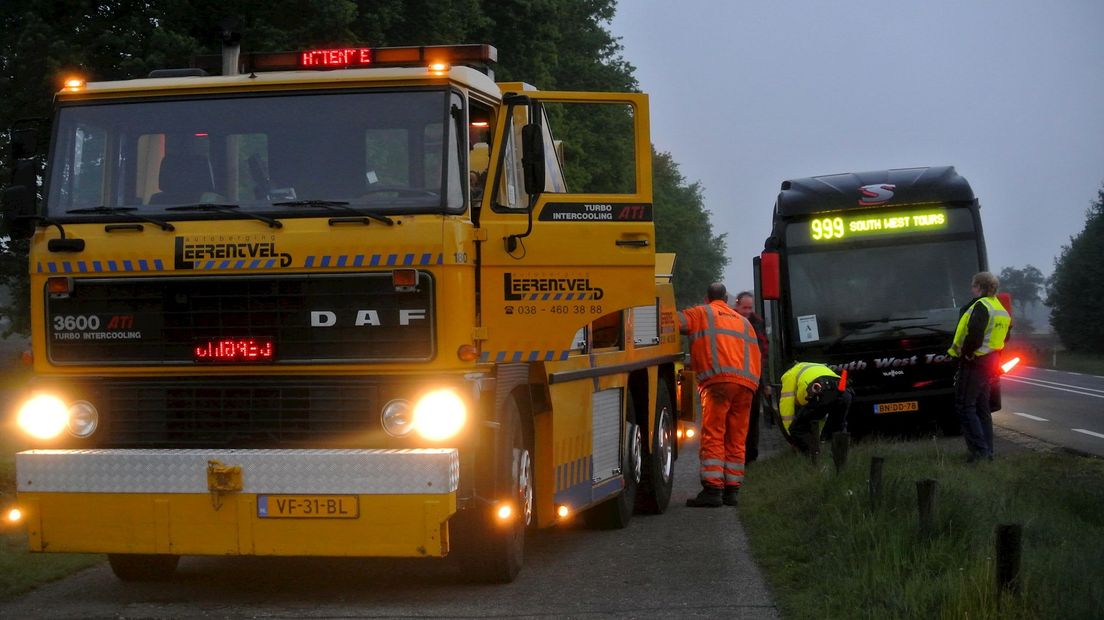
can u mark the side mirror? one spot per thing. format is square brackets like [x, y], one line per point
[18, 211]
[532, 158]
[24, 143]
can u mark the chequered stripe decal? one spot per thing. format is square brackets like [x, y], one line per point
[375, 260]
[100, 266]
[523, 356]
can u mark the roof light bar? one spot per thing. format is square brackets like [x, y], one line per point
[478, 55]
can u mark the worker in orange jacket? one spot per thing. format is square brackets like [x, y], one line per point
[724, 355]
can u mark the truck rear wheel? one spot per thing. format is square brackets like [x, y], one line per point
[495, 551]
[135, 567]
[615, 513]
[657, 480]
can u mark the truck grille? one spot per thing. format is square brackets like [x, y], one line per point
[305, 318]
[238, 412]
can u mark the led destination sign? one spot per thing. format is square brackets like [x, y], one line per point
[233, 350]
[850, 226]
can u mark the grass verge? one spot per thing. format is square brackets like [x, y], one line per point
[1071, 361]
[828, 555]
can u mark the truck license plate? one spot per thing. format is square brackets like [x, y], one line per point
[908, 405]
[308, 506]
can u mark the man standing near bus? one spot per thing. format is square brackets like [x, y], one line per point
[724, 355]
[745, 306]
[980, 336]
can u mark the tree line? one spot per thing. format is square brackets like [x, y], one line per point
[552, 44]
[1073, 291]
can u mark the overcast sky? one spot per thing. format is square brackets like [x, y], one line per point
[745, 94]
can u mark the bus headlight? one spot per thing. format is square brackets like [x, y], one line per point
[43, 416]
[84, 419]
[398, 419]
[439, 415]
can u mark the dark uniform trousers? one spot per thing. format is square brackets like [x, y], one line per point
[972, 393]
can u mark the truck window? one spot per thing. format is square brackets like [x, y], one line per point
[393, 150]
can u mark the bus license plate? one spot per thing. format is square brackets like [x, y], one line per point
[308, 506]
[908, 405]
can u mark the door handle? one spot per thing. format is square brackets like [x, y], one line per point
[633, 243]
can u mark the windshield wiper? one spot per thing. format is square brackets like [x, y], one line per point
[335, 205]
[850, 328]
[226, 208]
[129, 211]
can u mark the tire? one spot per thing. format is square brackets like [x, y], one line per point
[134, 567]
[494, 552]
[658, 477]
[615, 513]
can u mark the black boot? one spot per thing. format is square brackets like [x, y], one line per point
[730, 495]
[709, 497]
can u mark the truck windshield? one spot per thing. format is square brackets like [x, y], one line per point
[874, 292]
[384, 152]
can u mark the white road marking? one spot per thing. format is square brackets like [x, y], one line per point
[1083, 391]
[1030, 417]
[1081, 430]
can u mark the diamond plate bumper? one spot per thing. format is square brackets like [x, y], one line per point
[158, 501]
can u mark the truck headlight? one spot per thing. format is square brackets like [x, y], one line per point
[439, 415]
[43, 416]
[397, 418]
[84, 419]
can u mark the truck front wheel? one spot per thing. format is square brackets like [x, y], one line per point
[654, 492]
[495, 548]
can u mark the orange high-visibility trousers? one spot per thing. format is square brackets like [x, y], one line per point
[726, 410]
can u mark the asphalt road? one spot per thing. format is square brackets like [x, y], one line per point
[1062, 408]
[686, 563]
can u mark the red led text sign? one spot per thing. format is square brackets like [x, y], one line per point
[234, 350]
[351, 57]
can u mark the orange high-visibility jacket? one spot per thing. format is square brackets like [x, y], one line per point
[723, 347]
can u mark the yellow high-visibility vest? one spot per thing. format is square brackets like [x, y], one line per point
[996, 330]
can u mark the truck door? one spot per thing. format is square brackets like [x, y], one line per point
[581, 247]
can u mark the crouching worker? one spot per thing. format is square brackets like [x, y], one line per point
[812, 392]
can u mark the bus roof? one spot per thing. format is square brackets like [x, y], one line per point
[896, 187]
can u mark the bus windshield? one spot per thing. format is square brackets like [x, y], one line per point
[393, 151]
[876, 291]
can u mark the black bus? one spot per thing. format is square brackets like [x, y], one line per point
[867, 272]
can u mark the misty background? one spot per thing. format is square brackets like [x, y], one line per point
[745, 95]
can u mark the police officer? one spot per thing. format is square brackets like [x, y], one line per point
[724, 354]
[982, 330]
[812, 392]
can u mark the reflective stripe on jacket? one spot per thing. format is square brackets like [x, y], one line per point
[795, 384]
[723, 347]
[996, 329]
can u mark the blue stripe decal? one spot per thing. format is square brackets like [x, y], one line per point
[426, 258]
[484, 356]
[309, 262]
[546, 296]
[111, 266]
[517, 356]
[225, 264]
[239, 264]
[534, 356]
[534, 296]
[358, 261]
[392, 259]
[158, 265]
[143, 264]
[551, 355]
[341, 260]
[270, 264]
[52, 267]
[97, 266]
[82, 267]
[501, 357]
[408, 260]
[326, 261]
[254, 263]
[375, 261]
[67, 267]
[441, 259]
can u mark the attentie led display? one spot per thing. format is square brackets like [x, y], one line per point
[843, 227]
[346, 57]
[233, 351]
